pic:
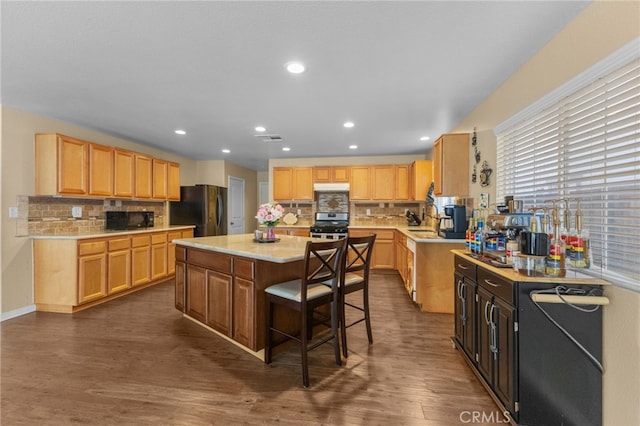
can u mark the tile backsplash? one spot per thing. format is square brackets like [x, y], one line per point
[53, 215]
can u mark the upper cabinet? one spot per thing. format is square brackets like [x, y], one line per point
[72, 167]
[331, 174]
[383, 182]
[62, 165]
[421, 176]
[360, 183]
[292, 183]
[451, 165]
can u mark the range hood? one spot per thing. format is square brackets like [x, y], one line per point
[331, 187]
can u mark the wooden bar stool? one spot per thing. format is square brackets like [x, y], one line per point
[323, 265]
[355, 277]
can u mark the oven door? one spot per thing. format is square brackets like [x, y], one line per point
[327, 235]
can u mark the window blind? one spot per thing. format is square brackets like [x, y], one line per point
[584, 148]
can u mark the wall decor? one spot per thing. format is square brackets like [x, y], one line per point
[485, 173]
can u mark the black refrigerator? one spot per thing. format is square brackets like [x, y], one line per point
[204, 206]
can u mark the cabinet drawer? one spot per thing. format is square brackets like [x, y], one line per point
[181, 253]
[209, 259]
[384, 234]
[465, 267]
[159, 238]
[92, 247]
[119, 244]
[175, 235]
[243, 268]
[497, 285]
[140, 241]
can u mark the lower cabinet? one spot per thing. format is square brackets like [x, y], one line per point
[296, 231]
[384, 255]
[528, 364]
[219, 301]
[71, 275]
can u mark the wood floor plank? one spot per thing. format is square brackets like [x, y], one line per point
[137, 361]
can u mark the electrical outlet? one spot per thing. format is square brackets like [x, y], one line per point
[381, 205]
[107, 203]
[13, 212]
[484, 200]
[299, 212]
[368, 212]
[118, 203]
[76, 212]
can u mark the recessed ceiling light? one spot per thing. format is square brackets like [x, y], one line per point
[425, 138]
[180, 132]
[348, 124]
[295, 67]
[260, 129]
[286, 148]
[226, 151]
[353, 146]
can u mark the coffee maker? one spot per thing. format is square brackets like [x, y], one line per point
[455, 222]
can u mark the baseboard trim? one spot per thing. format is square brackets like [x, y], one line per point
[17, 312]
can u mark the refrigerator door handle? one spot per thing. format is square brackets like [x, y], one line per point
[219, 207]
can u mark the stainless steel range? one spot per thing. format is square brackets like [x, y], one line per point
[330, 225]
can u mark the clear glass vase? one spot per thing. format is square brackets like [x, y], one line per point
[271, 233]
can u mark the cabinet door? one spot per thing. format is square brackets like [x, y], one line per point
[469, 329]
[360, 186]
[92, 277]
[171, 251]
[383, 256]
[421, 177]
[340, 174]
[196, 293]
[72, 166]
[181, 271]
[244, 312]
[282, 182]
[322, 174]
[123, 174]
[119, 274]
[504, 368]
[402, 182]
[100, 170]
[459, 308]
[159, 261]
[300, 232]
[437, 167]
[173, 181]
[140, 265]
[219, 302]
[383, 182]
[143, 176]
[302, 183]
[159, 186]
[484, 354]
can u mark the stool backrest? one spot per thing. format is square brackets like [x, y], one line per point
[323, 263]
[358, 254]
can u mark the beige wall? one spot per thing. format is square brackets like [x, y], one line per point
[250, 178]
[600, 30]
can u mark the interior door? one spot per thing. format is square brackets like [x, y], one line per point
[236, 206]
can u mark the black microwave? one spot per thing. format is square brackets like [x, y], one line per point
[129, 220]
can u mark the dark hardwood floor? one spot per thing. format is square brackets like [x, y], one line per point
[137, 361]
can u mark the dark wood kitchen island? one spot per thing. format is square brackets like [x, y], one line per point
[220, 283]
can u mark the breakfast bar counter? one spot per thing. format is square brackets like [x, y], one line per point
[220, 283]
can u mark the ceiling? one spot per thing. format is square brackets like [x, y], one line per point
[140, 70]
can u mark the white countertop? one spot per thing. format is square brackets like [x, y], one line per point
[76, 236]
[288, 249]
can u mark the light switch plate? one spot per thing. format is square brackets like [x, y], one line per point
[76, 212]
[13, 212]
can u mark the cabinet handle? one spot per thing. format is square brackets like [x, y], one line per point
[491, 283]
[486, 317]
[462, 267]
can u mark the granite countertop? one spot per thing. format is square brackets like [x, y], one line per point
[80, 236]
[573, 276]
[287, 249]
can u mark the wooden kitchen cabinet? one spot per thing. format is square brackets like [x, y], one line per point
[92, 270]
[331, 174]
[219, 300]
[244, 301]
[196, 293]
[61, 165]
[292, 183]
[159, 255]
[295, 231]
[360, 183]
[143, 176]
[180, 255]
[159, 179]
[383, 256]
[451, 165]
[403, 182]
[123, 174]
[118, 264]
[140, 259]
[100, 170]
[383, 182]
[420, 178]
[173, 181]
